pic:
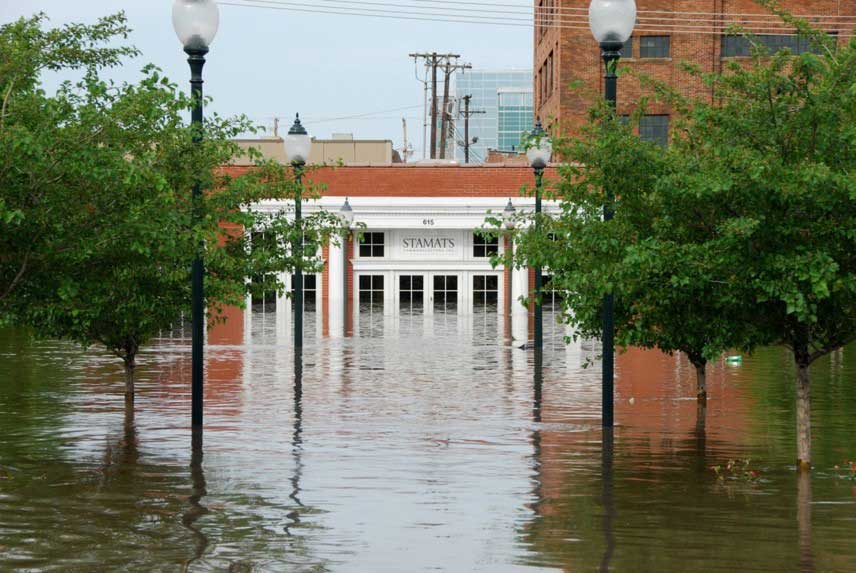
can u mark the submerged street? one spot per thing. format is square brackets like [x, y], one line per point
[424, 445]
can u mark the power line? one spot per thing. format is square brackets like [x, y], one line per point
[661, 27]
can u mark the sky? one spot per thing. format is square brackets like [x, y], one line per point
[267, 63]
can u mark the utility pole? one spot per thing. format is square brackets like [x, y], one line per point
[404, 148]
[433, 59]
[467, 114]
[449, 68]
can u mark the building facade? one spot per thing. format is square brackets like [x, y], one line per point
[668, 33]
[419, 252]
[505, 98]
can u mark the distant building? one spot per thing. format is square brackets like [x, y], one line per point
[341, 148]
[505, 97]
[668, 35]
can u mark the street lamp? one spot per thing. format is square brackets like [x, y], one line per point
[508, 216]
[611, 23]
[195, 23]
[539, 152]
[298, 145]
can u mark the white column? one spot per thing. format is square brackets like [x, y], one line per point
[283, 311]
[336, 274]
[519, 313]
[248, 319]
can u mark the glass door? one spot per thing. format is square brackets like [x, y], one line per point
[445, 298]
[411, 294]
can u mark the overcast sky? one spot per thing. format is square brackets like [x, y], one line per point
[267, 63]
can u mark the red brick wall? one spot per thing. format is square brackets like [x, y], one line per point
[579, 55]
[420, 181]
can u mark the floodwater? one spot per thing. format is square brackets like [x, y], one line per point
[420, 445]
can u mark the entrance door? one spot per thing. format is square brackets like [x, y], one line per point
[445, 293]
[411, 294]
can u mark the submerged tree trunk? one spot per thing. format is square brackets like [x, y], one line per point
[701, 377]
[130, 367]
[803, 415]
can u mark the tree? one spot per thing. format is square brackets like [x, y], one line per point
[741, 233]
[669, 275]
[96, 184]
[781, 142]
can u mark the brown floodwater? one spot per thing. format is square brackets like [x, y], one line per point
[417, 445]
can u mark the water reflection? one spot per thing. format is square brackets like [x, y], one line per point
[199, 491]
[296, 447]
[607, 500]
[436, 446]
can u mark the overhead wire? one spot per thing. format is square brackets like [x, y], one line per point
[390, 10]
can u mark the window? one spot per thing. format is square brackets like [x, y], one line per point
[264, 297]
[737, 46]
[551, 299]
[371, 292]
[654, 47]
[550, 74]
[654, 128]
[310, 292]
[485, 292]
[485, 246]
[411, 294]
[445, 293]
[371, 245]
[627, 49]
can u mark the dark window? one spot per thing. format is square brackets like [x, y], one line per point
[654, 46]
[411, 294]
[485, 292]
[445, 293]
[654, 128]
[371, 245]
[627, 49]
[485, 246]
[371, 292]
[310, 292]
[737, 46]
[264, 296]
[550, 297]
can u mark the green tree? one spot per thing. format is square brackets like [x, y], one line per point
[742, 232]
[98, 233]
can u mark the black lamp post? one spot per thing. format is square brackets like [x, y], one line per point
[298, 145]
[508, 222]
[611, 23]
[539, 153]
[346, 214]
[196, 23]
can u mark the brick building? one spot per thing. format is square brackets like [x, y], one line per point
[419, 253]
[667, 33]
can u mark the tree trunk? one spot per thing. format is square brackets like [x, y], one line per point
[701, 378]
[803, 415]
[130, 367]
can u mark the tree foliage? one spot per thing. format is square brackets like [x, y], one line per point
[741, 233]
[96, 211]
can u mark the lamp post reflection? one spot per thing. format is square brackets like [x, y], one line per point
[198, 491]
[607, 499]
[537, 398]
[296, 446]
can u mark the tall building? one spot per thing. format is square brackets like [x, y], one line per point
[668, 33]
[505, 97]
